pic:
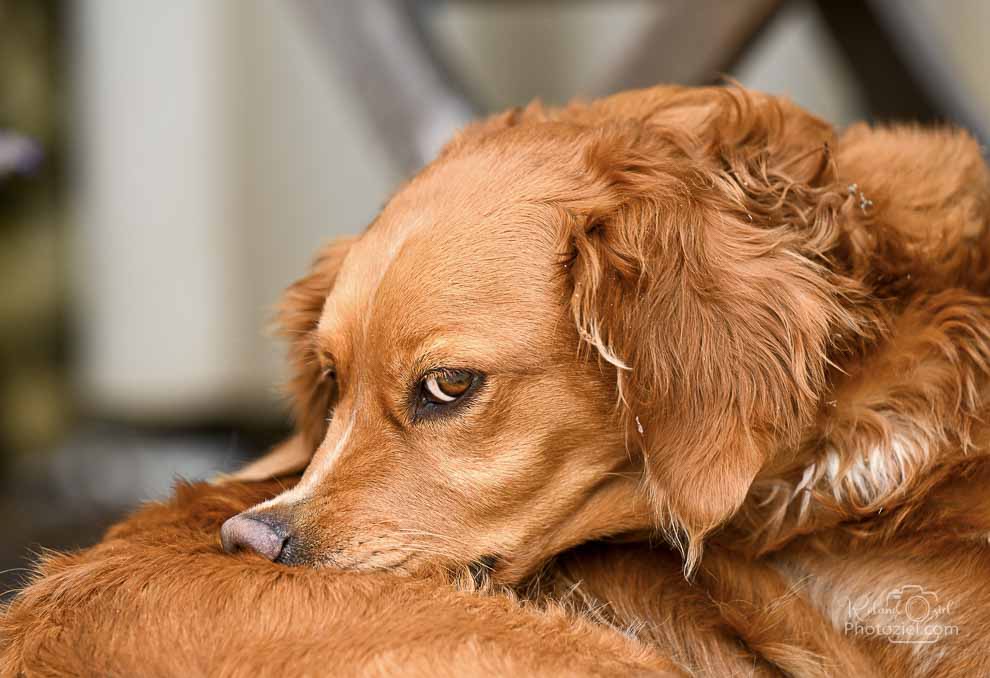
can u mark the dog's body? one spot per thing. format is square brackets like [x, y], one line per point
[936, 547]
[159, 598]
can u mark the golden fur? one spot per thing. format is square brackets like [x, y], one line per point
[701, 313]
[157, 597]
[706, 313]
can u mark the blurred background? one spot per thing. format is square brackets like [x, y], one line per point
[166, 168]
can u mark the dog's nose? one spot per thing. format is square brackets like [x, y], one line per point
[245, 531]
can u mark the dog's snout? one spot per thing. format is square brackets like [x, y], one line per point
[263, 535]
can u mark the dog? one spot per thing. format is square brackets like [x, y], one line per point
[695, 312]
[158, 597]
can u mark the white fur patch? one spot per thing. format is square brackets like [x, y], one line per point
[593, 336]
[868, 478]
[315, 475]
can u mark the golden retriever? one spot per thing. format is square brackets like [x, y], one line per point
[671, 310]
[695, 312]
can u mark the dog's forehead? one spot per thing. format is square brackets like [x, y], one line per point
[361, 273]
[432, 262]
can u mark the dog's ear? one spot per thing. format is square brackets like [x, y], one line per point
[701, 273]
[298, 315]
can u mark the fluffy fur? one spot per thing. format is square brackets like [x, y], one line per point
[158, 597]
[697, 312]
[934, 542]
[770, 332]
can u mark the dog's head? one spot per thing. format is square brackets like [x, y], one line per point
[572, 324]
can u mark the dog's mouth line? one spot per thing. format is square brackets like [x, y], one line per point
[479, 569]
[392, 558]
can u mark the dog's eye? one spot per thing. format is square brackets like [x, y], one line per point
[443, 388]
[446, 387]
